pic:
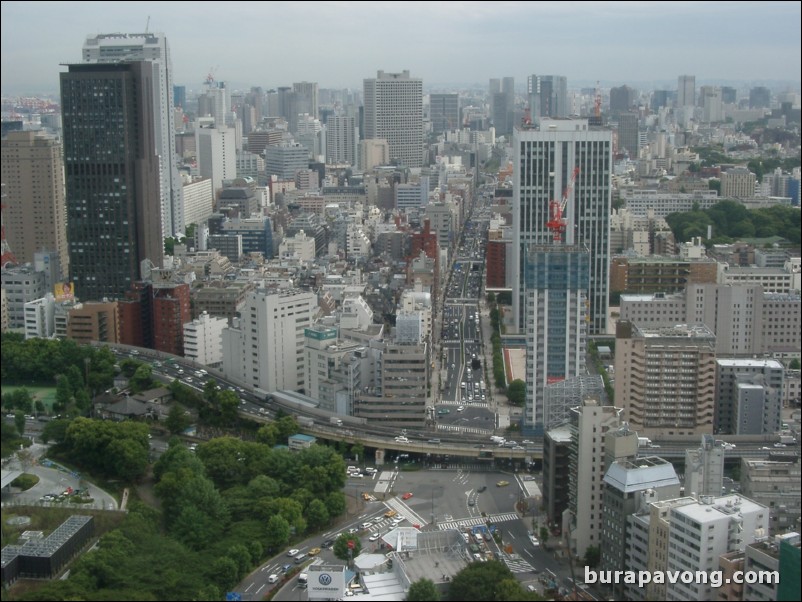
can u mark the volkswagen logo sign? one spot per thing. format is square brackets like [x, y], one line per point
[325, 579]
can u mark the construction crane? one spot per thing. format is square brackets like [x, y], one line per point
[557, 221]
[597, 101]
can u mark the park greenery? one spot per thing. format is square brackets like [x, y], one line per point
[423, 590]
[487, 581]
[731, 221]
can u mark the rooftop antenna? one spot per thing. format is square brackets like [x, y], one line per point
[147, 25]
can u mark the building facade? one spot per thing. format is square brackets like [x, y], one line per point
[114, 209]
[265, 346]
[667, 378]
[394, 112]
[203, 339]
[34, 209]
[544, 167]
[151, 47]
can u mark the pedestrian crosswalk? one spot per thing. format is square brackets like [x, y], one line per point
[475, 521]
[517, 564]
[464, 429]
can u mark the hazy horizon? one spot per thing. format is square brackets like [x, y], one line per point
[464, 44]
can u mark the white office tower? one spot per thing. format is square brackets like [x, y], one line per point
[40, 317]
[203, 339]
[217, 154]
[704, 468]
[699, 533]
[117, 47]
[394, 112]
[264, 348]
[545, 165]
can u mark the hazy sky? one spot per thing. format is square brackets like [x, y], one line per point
[338, 44]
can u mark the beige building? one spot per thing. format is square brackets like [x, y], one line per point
[588, 460]
[373, 153]
[35, 213]
[666, 378]
[93, 321]
[738, 182]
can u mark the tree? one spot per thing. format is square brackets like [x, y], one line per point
[794, 364]
[142, 380]
[177, 420]
[423, 590]
[516, 392]
[592, 556]
[482, 581]
[240, 554]
[335, 503]
[277, 533]
[317, 515]
[19, 421]
[224, 572]
[343, 550]
[56, 431]
[127, 459]
[63, 394]
[544, 535]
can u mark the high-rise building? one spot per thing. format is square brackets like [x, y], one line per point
[738, 182]
[265, 346]
[394, 112]
[759, 98]
[114, 209]
[548, 96]
[307, 98]
[686, 90]
[628, 134]
[151, 47]
[621, 99]
[556, 283]
[34, 214]
[444, 112]
[217, 156]
[775, 483]
[342, 136]
[666, 378]
[544, 166]
[712, 105]
[588, 461]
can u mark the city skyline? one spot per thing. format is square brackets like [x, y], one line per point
[441, 43]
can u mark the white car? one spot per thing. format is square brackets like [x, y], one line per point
[293, 552]
[461, 409]
[374, 537]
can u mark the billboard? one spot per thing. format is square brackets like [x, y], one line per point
[326, 582]
[64, 291]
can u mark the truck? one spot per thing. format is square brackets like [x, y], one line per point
[787, 439]
[644, 442]
[305, 421]
[335, 421]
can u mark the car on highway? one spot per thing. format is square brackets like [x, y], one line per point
[461, 409]
[443, 411]
[374, 537]
[406, 496]
[328, 543]
[502, 483]
[314, 551]
[293, 552]
[482, 489]
[273, 578]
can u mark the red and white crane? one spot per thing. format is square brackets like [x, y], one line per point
[557, 221]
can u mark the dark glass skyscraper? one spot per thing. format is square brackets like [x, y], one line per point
[112, 175]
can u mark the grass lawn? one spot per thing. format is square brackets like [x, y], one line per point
[47, 395]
